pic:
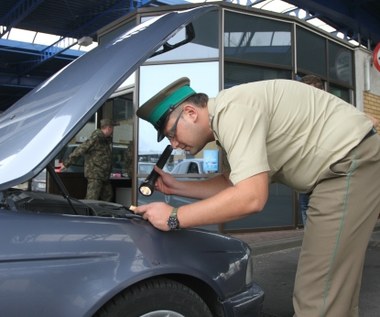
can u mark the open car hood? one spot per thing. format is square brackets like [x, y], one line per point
[37, 127]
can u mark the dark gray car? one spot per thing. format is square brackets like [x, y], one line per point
[66, 257]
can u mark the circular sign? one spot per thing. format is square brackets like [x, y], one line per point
[376, 57]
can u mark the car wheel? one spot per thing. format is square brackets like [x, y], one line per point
[156, 298]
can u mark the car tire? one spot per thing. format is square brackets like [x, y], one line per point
[156, 298]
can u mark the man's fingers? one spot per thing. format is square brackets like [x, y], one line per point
[133, 208]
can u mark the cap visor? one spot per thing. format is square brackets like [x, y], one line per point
[160, 136]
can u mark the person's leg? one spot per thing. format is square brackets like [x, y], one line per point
[107, 192]
[94, 187]
[343, 210]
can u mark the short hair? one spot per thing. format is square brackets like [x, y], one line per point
[313, 80]
[199, 99]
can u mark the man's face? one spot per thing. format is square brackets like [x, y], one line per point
[107, 130]
[172, 130]
[185, 130]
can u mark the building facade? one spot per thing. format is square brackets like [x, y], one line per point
[233, 45]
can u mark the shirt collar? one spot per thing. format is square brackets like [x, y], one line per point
[211, 106]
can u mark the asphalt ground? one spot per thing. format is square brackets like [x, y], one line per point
[276, 255]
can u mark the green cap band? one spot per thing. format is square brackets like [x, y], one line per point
[173, 100]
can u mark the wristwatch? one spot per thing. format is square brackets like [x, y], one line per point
[173, 222]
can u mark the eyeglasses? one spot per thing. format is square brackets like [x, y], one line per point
[172, 131]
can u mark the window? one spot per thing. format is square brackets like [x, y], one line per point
[203, 78]
[235, 74]
[340, 64]
[120, 109]
[341, 92]
[251, 38]
[311, 53]
[193, 168]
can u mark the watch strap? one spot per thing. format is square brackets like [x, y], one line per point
[173, 222]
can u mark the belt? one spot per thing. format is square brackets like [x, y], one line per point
[370, 133]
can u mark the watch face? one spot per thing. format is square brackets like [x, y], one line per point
[173, 223]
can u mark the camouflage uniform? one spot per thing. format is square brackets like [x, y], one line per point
[97, 152]
[129, 154]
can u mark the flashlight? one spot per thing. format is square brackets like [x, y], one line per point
[147, 186]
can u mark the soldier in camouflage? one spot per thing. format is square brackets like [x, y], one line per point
[97, 152]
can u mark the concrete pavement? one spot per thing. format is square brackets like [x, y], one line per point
[271, 241]
[276, 256]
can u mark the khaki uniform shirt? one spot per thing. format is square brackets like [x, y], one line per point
[287, 128]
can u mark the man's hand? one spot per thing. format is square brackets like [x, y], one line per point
[59, 168]
[166, 183]
[156, 213]
[222, 204]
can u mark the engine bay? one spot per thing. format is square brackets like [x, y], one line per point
[41, 202]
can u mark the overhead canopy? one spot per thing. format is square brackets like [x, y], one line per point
[359, 20]
[22, 66]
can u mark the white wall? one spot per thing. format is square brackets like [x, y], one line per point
[367, 77]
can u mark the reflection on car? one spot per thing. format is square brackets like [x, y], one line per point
[62, 256]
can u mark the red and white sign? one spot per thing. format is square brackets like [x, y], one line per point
[376, 57]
